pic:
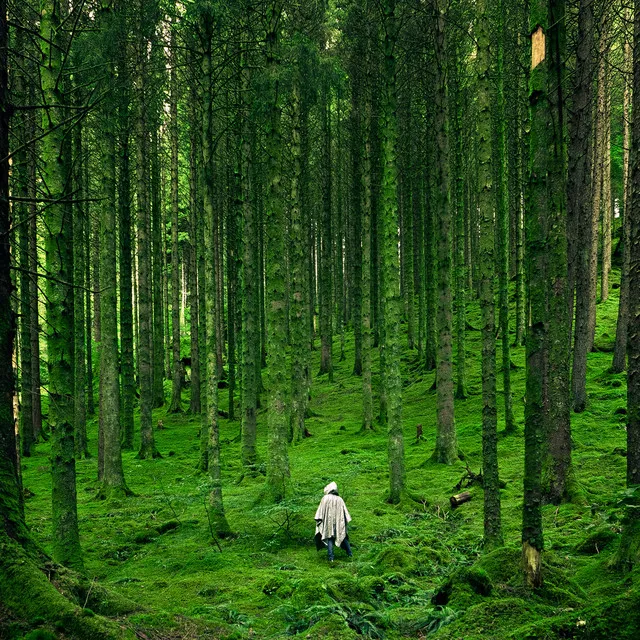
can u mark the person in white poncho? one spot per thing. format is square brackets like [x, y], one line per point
[331, 519]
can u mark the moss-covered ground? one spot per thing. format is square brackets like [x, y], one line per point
[418, 568]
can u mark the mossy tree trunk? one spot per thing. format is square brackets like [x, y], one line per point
[157, 256]
[391, 301]
[250, 311]
[298, 310]
[620, 351]
[629, 552]
[446, 449]
[195, 249]
[211, 426]
[112, 482]
[58, 243]
[486, 203]
[145, 307]
[579, 204]
[125, 274]
[175, 406]
[502, 219]
[557, 464]
[325, 266]
[278, 460]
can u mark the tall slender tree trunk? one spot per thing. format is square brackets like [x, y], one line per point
[326, 240]
[278, 459]
[486, 202]
[391, 301]
[79, 257]
[195, 248]
[127, 369]
[145, 306]
[502, 220]
[176, 364]
[446, 449]
[620, 351]
[629, 552]
[367, 394]
[58, 244]
[157, 273]
[579, 203]
[298, 310]
[216, 507]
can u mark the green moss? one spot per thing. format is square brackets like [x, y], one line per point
[396, 558]
[598, 540]
[333, 627]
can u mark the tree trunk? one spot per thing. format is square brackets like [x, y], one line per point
[145, 307]
[175, 405]
[216, 508]
[620, 351]
[326, 241]
[278, 459]
[58, 244]
[579, 203]
[391, 302]
[446, 449]
[486, 202]
[127, 369]
[112, 480]
[156, 258]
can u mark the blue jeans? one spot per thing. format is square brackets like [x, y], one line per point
[331, 542]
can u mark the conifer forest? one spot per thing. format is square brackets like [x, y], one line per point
[250, 248]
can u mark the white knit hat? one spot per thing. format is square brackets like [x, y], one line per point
[332, 486]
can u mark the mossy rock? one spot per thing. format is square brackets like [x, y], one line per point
[39, 634]
[501, 565]
[477, 578]
[277, 585]
[373, 585]
[396, 558]
[618, 618]
[308, 592]
[596, 541]
[333, 627]
[345, 588]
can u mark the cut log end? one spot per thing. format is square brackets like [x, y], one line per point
[459, 498]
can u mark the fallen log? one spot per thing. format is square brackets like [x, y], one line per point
[459, 498]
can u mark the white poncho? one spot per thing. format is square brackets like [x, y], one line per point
[332, 518]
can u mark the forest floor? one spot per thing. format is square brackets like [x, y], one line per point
[269, 582]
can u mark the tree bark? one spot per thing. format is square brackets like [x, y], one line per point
[446, 449]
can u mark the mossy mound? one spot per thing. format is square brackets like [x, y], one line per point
[596, 541]
[307, 593]
[501, 565]
[345, 588]
[396, 558]
[373, 586]
[333, 627]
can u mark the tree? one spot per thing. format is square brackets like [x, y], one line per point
[59, 292]
[391, 302]
[579, 204]
[446, 449]
[112, 478]
[176, 365]
[145, 310]
[486, 202]
[628, 555]
[278, 427]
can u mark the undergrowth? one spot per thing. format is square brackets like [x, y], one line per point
[418, 568]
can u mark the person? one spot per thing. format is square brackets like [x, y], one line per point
[332, 518]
